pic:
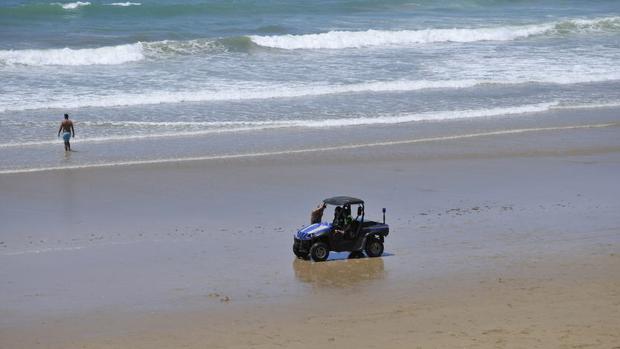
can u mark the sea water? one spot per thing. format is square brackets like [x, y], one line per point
[150, 80]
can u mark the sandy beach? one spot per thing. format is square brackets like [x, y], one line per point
[497, 241]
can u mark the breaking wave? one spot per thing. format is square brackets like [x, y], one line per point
[72, 5]
[369, 38]
[88, 56]
[110, 55]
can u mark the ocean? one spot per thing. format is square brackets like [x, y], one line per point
[161, 80]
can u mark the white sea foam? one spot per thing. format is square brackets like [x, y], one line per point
[236, 126]
[172, 47]
[206, 127]
[357, 39]
[72, 5]
[431, 116]
[125, 4]
[66, 56]
[272, 92]
[160, 97]
[350, 39]
[588, 106]
[306, 150]
[589, 25]
[107, 55]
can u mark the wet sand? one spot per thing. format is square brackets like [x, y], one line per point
[501, 241]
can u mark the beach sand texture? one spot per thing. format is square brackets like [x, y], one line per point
[495, 243]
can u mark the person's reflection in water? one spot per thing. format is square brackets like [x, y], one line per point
[339, 274]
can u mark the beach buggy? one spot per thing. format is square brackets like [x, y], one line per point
[344, 233]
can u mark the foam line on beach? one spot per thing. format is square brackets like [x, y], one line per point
[241, 126]
[216, 127]
[144, 136]
[308, 150]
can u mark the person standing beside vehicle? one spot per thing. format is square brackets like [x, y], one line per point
[66, 127]
[317, 214]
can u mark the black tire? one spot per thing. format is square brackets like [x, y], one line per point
[298, 253]
[374, 247]
[319, 251]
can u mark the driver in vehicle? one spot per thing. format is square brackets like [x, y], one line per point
[343, 222]
[338, 218]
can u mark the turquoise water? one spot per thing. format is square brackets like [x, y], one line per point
[140, 77]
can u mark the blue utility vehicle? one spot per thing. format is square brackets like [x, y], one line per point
[343, 233]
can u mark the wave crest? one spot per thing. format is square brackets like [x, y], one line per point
[369, 38]
[120, 54]
[66, 56]
[72, 5]
[111, 55]
[125, 4]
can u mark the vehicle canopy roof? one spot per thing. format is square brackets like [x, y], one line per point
[343, 200]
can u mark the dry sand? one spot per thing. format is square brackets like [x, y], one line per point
[496, 243]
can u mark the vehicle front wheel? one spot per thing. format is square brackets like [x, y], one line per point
[374, 248]
[319, 252]
[299, 254]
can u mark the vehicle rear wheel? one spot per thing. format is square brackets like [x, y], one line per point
[319, 252]
[374, 248]
[298, 253]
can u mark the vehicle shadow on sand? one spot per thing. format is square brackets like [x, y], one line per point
[339, 256]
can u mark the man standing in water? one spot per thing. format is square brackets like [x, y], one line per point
[66, 127]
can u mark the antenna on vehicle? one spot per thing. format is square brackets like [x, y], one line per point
[383, 215]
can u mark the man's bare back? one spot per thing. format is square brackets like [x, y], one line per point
[66, 125]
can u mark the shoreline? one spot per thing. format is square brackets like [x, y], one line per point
[291, 141]
[313, 150]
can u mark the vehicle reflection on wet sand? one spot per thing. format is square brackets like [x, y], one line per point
[339, 273]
